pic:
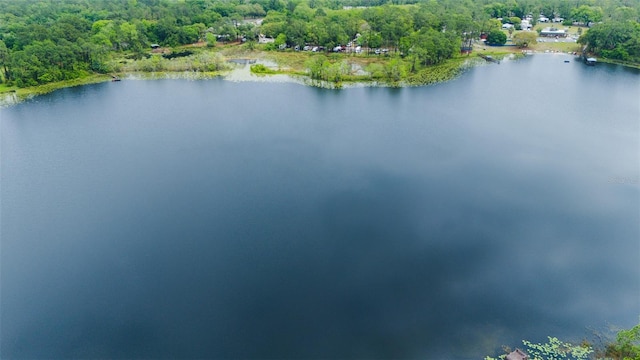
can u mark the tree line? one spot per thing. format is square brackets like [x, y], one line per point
[42, 42]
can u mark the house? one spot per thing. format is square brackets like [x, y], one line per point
[517, 354]
[262, 39]
[525, 25]
[543, 19]
[553, 32]
[507, 26]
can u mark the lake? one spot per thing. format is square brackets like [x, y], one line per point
[226, 219]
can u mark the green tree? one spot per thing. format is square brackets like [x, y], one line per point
[281, 40]
[587, 14]
[496, 37]
[211, 39]
[613, 40]
[626, 346]
[4, 61]
[315, 66]
[395, 70]
[525, 38]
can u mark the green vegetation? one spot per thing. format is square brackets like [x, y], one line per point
[616, 40]
[496, 37]
[202, 61]
[261, 69]
[397, 43]
[16, 94]
[525, 38]
[626, 346]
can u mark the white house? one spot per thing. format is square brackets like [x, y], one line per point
[265, 40]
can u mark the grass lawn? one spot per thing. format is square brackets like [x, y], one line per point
[545, 45]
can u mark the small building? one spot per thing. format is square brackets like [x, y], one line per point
[507, 26]
[517, 354]
[525, 25]
[553, 32]
[543, 19]
[262, 39]
[155, 46]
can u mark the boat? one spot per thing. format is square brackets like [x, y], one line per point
[115, 78]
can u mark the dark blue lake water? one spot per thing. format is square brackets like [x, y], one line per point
[236, 220]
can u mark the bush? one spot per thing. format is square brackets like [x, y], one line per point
[496, 37]
[525, 38]
[261, 69]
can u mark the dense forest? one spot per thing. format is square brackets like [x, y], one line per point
[48, 41]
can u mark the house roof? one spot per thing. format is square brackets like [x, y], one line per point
[517, 354]
[552, 31]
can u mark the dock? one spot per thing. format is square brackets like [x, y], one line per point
[489, 58]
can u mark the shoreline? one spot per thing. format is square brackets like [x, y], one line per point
[456, 66]
[17, 95]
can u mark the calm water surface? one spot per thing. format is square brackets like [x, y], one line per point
[227, 220]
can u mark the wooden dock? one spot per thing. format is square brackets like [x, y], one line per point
[489, 58]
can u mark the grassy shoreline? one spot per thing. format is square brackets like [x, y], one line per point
[13, 95]
[293, 64]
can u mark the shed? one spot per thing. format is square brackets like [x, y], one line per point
[553, 32]
[517, 354]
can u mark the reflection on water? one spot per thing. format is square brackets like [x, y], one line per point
[218, 219]
[242, 72]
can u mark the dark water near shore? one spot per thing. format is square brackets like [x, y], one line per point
[214, 219]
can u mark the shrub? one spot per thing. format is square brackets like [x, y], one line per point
[496, 37]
